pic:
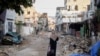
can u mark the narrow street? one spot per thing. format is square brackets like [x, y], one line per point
[38, 45]
[32, 46]
[62, 27]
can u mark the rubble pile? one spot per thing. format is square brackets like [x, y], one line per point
[3, 54]
[71, 44]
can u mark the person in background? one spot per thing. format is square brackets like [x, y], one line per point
[37, 30]
[52, 44]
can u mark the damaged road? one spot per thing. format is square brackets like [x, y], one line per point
[31, 46]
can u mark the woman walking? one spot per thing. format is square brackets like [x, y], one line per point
[52, 44]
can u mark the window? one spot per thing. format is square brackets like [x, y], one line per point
[10, 26]
[63, 16]
[76, 7]
[28, 12]
[74, 0]
[69, 8]
[88, 7]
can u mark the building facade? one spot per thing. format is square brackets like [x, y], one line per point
[29, 19]
[77, 5]
[10, 21]
[59, 18]
[74, 12]
[7, 23]
[43, 22]
[51, 23]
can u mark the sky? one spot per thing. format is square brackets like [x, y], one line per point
[48, 6]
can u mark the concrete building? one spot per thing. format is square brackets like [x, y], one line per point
[70, 17]
[59, 18]
[7, 22]
[10, 21]
[51, 23]
[29, 19]
[73, 14]
[77, 5]
[90, 13]
[43, 22]
[8, 17]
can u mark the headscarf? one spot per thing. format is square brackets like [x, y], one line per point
[53, 35]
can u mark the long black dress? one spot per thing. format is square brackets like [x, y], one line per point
[53, 44]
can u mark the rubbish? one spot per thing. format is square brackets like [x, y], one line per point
[12, 38]
[3, 54]
[73, 45]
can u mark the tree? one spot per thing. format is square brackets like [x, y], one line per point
[14, 5]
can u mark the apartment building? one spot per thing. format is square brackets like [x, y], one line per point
[59, 18]
[77, 5]
[51, 23]
[29, 19]
[43, 22]
[73, 14]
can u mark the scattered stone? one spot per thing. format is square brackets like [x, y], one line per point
[73, 45]
[3, 54]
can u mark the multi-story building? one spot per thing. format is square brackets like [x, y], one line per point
[8, 21]
[43, 22]
[51, 23]
[77, 5]
[59, 18]
[73, 14]
[29, 18]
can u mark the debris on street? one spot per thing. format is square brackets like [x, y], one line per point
[71, 45]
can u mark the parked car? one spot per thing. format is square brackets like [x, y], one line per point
[12, 38]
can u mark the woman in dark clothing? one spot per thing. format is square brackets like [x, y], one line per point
[53, 44]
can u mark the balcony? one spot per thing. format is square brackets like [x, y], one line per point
[71, 20]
